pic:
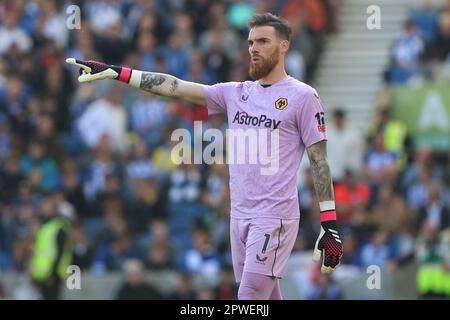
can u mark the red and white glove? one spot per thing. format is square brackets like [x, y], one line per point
[94, 70]
[328, 242]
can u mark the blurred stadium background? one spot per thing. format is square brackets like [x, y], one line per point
[150, 229]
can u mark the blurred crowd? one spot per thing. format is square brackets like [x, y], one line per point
[418, 54]
[392, 199]
[392, 195]
[105, 147]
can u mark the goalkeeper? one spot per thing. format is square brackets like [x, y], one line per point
[264, 207]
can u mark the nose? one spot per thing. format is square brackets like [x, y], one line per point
[253, 49]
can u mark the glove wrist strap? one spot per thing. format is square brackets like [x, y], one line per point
[124, 74]
[329, 215]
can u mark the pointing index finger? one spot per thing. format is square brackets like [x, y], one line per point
[79, 63]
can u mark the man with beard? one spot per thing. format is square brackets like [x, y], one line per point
[264, 203]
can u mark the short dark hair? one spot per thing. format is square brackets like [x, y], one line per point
[282, 27]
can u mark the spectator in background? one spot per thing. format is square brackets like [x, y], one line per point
[162, 155]
[391, 215]
[102, 165]
[58, 88]
[216, 181]
[37, 162]
[343, 142]
[422, 159]
[435, 212]
[351, 196]
[407, 54]
[148, 204]
[425, 19]
[146, 47]
[103, 14]
[175, 55]
[393, 133]
[196, 71]
[53, 248]
[160, 257]
[381, 165]
[308, 20]
[446, 181]
[5, 138]
[10, 179]
[184, 193]
[183, 27]
[13, 102]
[52, 24]
[378, 252]
[12, 35]
[390, 212]
[7, 235]
[115, 243]
[139, 165]
[417, 192]
[445, 254]
[134, 286]
[428, 257]
[350, 247]
[202, 259]
[46, 134]
[442, 46]
[105, 116]
[216, 59]
[148, 117]
[183, 290]
[72, 187]
[83, 249]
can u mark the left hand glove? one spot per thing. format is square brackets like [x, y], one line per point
[330, 244]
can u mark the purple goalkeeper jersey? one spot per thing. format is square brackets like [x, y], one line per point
[293, 111]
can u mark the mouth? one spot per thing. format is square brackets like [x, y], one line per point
[256, 59]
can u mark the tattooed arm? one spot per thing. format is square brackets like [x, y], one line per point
[328, 244]
[167, 85]
[323, 182]
[157, 83]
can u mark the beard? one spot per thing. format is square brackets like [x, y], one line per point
[264, 67]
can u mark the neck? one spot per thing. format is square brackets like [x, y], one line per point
[275, 75]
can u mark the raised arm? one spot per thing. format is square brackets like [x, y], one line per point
[157, 83]
[328, 242]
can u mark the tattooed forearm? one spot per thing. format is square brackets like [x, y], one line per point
[150, 80]
[174, 86]
[169, 86]
[323, 182]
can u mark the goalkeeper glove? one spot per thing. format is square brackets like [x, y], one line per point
[94, 70]
[328, 242]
